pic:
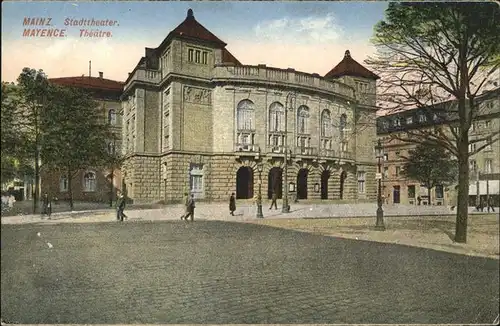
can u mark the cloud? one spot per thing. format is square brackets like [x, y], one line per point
[313, 29]
[71, 56]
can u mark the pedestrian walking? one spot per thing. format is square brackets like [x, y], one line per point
[120, 207]
[190, 207]
[274, 197]
[46, 206]
[186, 209]
[490, 205]
[232, 204]
[419, 199]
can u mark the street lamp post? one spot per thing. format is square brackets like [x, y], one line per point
[286, 207]
[259, 195]
[112, 175]
[379, 226]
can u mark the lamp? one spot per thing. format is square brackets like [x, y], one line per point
[379, 226]
[260, 167]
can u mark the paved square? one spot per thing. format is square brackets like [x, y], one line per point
[226, 272]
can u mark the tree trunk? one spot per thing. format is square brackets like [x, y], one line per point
[465, 117]
[463, 193]
[70, 189]
[429, 202]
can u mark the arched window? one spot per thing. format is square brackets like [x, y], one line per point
[63, 183]
[245, 115]
[343, 122]
[325, 124]
[112, 117]
[89, 181]
[303, 120]
[276, 117]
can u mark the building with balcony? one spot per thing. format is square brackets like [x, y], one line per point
[91, 184]
[484, 166]
[195, 119]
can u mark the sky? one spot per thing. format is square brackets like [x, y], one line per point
[307, 36]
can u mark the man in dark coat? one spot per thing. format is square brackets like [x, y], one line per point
[46, 206]
[190, 208]
[120, 207]
[232, 204]
[274, 197]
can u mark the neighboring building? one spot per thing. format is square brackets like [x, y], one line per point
[195, 119]
[484, 166]
[91, 184]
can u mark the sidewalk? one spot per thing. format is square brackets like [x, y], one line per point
[419, 226]
[244, 212]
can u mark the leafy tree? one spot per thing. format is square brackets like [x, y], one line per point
[430, 53]
[430, 165]
[28, 112]
[76, 135]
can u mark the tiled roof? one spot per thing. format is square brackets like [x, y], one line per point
[192, 29]
[89, 82]
[350, 67]
[227, 57]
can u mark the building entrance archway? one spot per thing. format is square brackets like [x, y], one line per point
[302, 184]
[325, 176]
[275, 182]
[343, 176]
[244, 183]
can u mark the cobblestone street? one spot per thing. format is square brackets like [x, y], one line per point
[226, 272]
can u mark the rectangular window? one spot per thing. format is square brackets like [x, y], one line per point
[472, 147]
[275, 140]
[487, 124]
[386, 157]
[345, 147]
[397, 122]
[411, 191]
[361, 182]
[386, 172]
[488, 146]
[488, 166]
[196, 180]
[190, 55]
[472, 165]
[439, 192]
[409, 120]
[197, 56]
[63, 184]
[422, 118]
[398, 170]
[204, 58]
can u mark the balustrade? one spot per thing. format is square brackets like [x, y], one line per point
[253, 148]
[264, 73]
[306, 151]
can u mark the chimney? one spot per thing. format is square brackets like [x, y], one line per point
[101, 74]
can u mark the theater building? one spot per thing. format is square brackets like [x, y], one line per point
[92, 184]
[195, 119]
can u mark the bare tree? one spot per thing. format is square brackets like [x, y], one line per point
[440, 56]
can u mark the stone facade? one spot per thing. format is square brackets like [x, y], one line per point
[195, 123]
[106, 184]
[484, 165]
